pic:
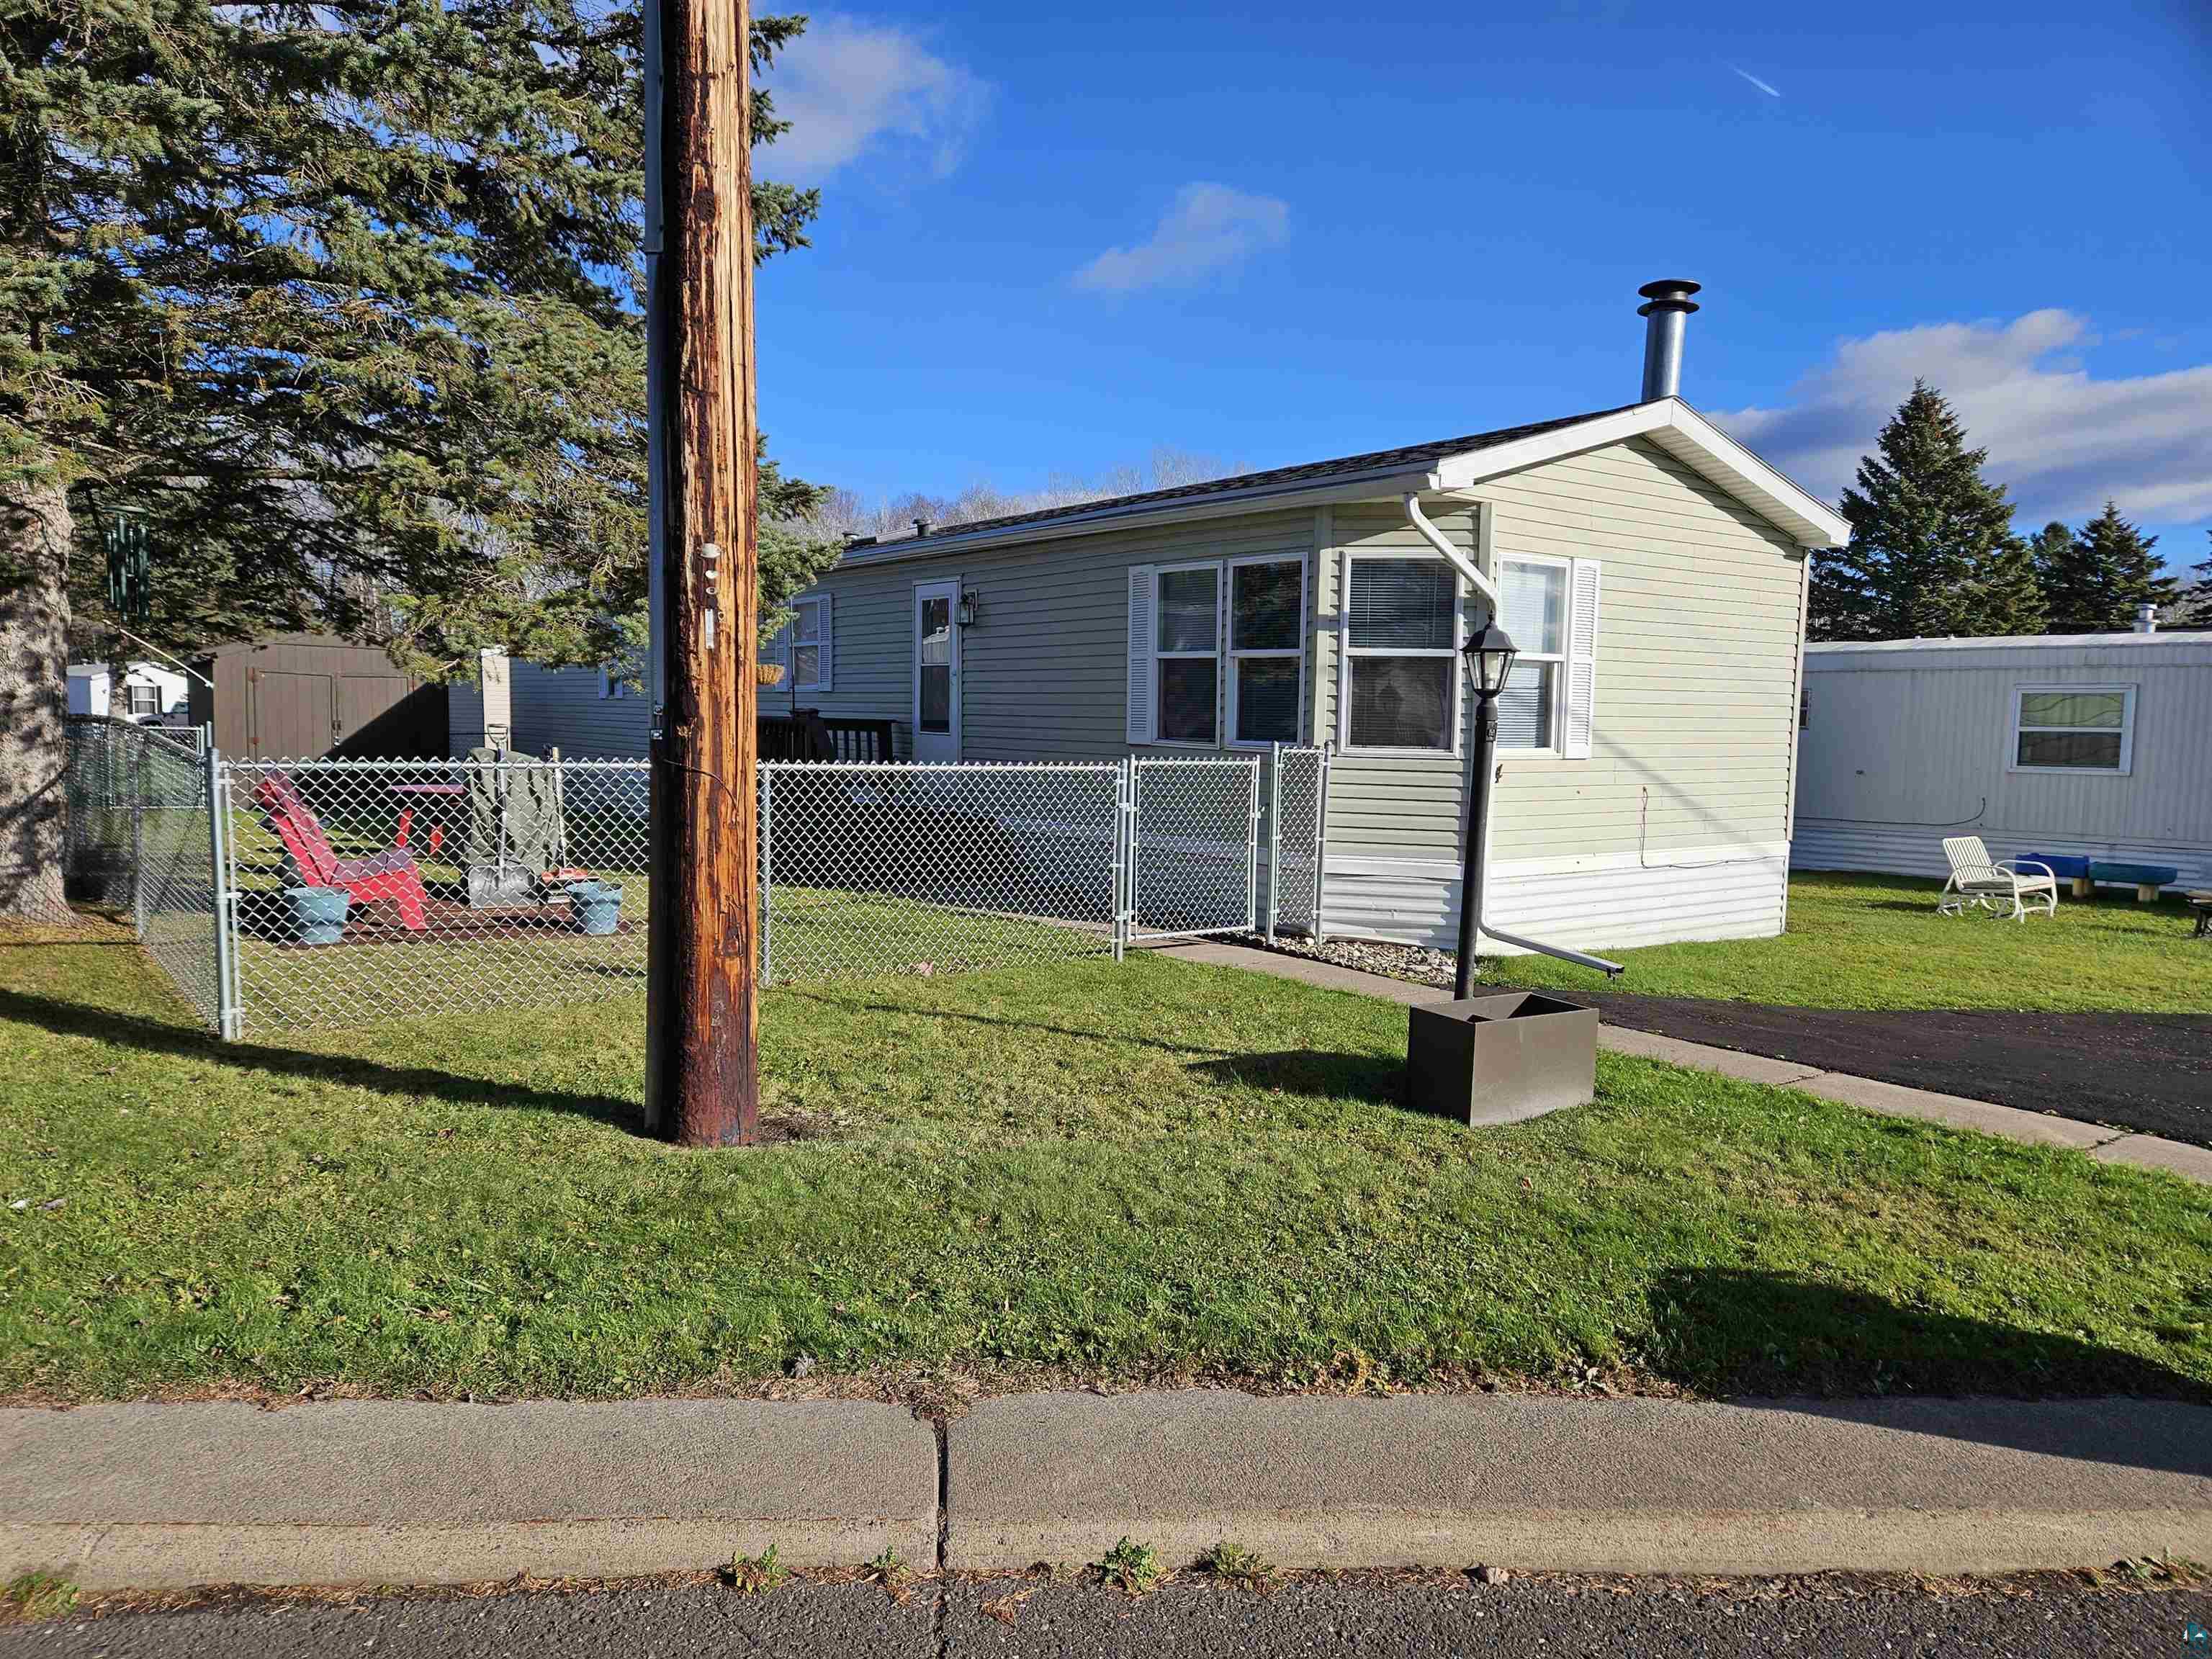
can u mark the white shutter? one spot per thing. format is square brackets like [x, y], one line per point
[828, 647]
[1582, 658]
[1140, 654]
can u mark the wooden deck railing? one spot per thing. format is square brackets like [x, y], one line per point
[807, 734]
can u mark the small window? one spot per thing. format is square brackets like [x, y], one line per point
[1266, 650]
[806, 644]
[145, 701]
[2073, 728]
[1534, 613]
[1401, 653]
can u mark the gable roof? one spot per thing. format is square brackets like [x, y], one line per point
[1441, 464]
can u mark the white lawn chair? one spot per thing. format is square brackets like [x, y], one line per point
[2004, 885]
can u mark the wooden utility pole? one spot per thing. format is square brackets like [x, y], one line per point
[703, 1005]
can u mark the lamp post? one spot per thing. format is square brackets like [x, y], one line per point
[1489, 656]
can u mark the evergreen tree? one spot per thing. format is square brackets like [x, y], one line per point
[344, 297]
[2193, 609]
[1932, 551]
[2095, 583]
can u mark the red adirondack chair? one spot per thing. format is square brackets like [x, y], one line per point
[391, 874]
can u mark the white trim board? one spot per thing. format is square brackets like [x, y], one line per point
[1671, 858]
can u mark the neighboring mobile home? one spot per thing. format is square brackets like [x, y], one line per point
[1652, 571]
[2090, 744]
[150, 693]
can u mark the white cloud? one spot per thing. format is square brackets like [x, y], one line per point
[1770, 91]
[850, 87]
[1207, 228]
[2062, 439]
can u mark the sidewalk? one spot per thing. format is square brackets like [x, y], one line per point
[2107, 1145]
[140, 1496]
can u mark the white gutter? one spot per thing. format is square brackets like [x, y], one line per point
[1457, 560]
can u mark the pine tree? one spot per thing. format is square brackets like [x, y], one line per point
[1932, 551]
[345, 298]
[2193, 609]
[2095, 583]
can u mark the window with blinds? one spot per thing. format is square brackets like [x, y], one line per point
[1400, 653]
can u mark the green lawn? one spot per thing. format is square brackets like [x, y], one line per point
[1153, 1168]
[1877, 942]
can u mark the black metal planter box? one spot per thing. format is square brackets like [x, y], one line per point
[1499, 1059]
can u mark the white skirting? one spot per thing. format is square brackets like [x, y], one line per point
[1914, 850]
[1585, 903]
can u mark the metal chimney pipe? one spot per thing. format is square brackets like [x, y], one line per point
[1670, 304]
[2146, 617]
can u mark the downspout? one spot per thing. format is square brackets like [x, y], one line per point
[1482, 585]
[1458, 561]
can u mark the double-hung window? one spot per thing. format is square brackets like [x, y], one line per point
[802, 646]
[1401, 670]
[1266, 650]
[145, 701]
[2073, 728]
[1216, 652]
[1187, 653]
[1534, 613]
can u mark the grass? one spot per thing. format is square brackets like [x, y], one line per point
[1153, 1169]
[1877, 942]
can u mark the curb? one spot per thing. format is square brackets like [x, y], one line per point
[1544, 1484]
[407, 1492]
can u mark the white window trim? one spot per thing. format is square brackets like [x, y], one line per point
[791, 641]
[1216, 656]
[1231, 655]
[2126, 767]
[1557, 749]
[1347, 654]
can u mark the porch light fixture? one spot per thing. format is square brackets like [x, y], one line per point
[1489, 656]
[970, 612]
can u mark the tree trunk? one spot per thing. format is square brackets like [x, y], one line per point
[35, 540]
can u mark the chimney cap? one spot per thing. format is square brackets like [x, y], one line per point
[1668, 294]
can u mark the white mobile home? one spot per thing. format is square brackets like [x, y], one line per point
[147, 692]
[2094, 744]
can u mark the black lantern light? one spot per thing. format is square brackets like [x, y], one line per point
[1489, 654]
[1490, 657]
[969, 612]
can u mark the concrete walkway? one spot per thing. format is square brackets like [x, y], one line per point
[146, 1496]
[2108, 1145]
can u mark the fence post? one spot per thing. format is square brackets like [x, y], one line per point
[226, 945]
[1125, 899]
[1252, 855]
[766, 792]
[138, 847]
[1274, 835]
[1321, 836]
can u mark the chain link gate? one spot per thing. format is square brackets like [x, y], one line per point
[1193, 842]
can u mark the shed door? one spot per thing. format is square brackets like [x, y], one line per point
[371, 722]
[294, 716]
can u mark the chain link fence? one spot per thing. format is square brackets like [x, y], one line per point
[373, 889]
[882, 869]
[289, 895]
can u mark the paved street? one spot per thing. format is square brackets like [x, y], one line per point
[1004, 1619]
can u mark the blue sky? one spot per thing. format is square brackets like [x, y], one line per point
[1055, 239]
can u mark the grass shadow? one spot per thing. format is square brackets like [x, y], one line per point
[1318, 1073]
[156, 1036]
[1737, 1331]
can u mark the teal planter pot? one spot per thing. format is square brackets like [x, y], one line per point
[597, 906]
[319, 914]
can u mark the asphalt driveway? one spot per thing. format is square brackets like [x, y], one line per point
[2150, 1073]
